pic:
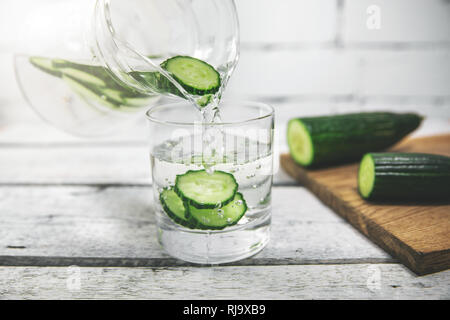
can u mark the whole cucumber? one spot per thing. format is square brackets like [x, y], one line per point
[328, 140]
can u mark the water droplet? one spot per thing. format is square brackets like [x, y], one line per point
[229, 220]
[254, 186]
[238, 202]
[258, 166]
[251, 176]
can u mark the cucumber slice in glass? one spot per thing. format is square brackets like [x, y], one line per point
[203, 190]
[219, 218]
[174, 207]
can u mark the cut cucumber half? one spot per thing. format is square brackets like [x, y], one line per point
[203, 190]
[46, 65]
[330, 140]
[174, 207]
[219, 218]
[300, 144]
[366, 176]
[404, 177]
[195, 76]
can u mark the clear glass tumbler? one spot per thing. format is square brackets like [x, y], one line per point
[185, 166]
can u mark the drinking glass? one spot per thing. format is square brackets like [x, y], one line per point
[243, 143]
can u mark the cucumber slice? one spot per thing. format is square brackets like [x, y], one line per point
[96, 75]
[203, 190]
[136, 102]
[46, 65]
[113, 94]
[174, 207]
[93, 70]
[196, 76]
[83, 76]
[219, 218]
[87, 93]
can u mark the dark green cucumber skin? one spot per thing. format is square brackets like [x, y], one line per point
[410, 177]
[344, 138]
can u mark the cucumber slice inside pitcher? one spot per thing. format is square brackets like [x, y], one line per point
[46, 65]
[196, 76]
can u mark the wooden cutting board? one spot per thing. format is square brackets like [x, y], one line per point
[418, 235]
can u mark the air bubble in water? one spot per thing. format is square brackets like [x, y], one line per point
[238, 202]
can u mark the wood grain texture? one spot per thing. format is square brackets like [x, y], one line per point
[358, 281]
[418, 235]
[115, 226]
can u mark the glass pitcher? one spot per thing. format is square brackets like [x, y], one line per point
[77, 57]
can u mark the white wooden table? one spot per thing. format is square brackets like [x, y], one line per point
[88, 204]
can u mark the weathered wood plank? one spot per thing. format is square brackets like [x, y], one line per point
[360, 281]
[94, 163]
[115, 226]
